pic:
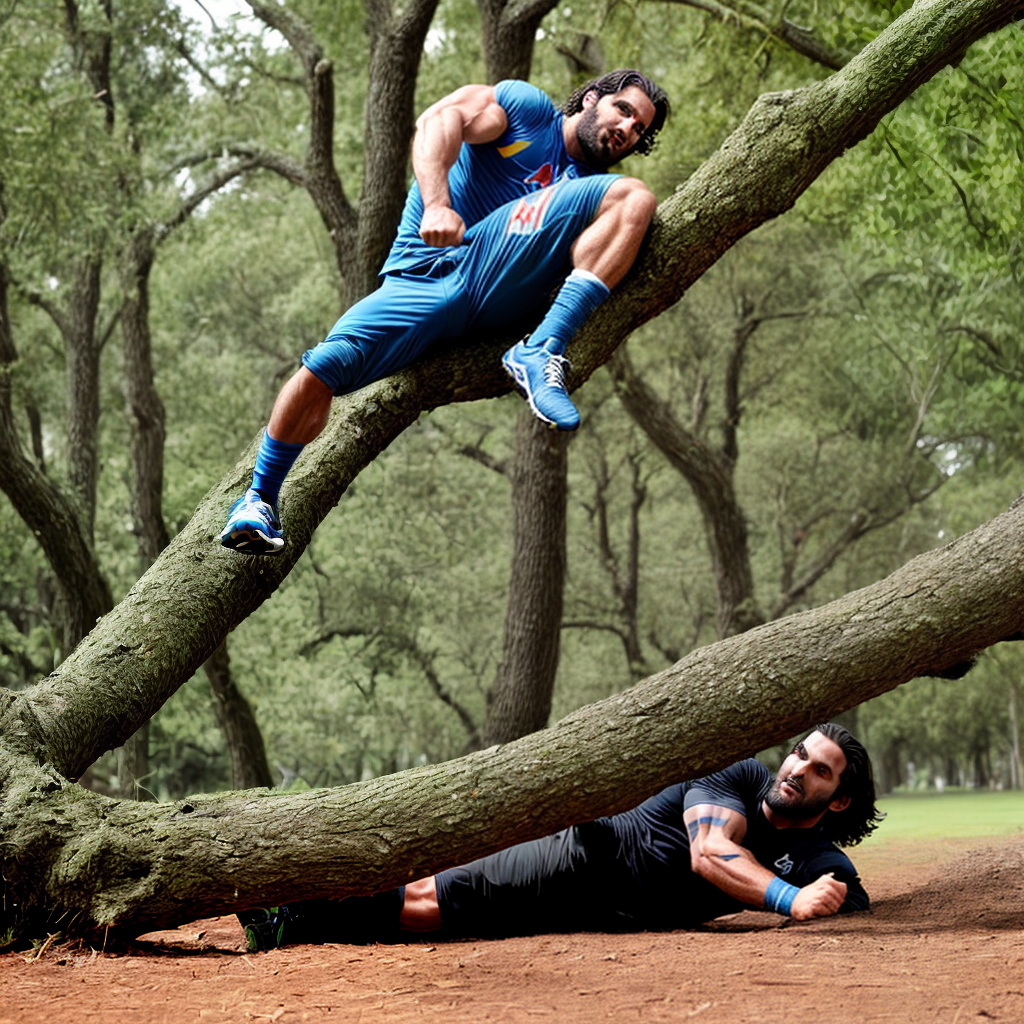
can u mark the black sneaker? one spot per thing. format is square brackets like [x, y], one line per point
[265, 927]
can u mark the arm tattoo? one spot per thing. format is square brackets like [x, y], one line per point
[693, 828]
[713, 822]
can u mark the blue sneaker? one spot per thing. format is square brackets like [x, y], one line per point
[253, 527]
[264, 929]
[541, 376]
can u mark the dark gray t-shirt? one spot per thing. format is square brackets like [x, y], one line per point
[653, 848]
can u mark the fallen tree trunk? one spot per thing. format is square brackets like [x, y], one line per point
[93, 862]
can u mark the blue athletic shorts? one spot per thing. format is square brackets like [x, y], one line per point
[508, 264]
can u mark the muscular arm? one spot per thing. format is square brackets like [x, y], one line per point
[716, 854]
[470, 114]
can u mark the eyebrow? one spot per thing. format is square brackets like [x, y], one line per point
[801, 749]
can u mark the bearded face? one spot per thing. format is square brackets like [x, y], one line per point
[609, 127]
[596, 153]
[788, 799]
[806, 784]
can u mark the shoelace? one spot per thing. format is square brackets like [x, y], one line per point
[257, 506]
[554, 371]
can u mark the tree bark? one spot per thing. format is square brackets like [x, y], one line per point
[520, 700]
[145, 407]
[249, 766]
[509, 30]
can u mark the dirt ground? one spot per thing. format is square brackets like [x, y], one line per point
[943, 943]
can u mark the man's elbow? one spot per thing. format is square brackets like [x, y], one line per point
[701, 863]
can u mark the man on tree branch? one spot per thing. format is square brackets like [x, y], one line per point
[736, 839]
[510, 194]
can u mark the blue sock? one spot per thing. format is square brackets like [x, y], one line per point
[581, 293]
[273, 461]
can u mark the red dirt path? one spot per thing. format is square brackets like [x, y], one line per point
[944, 943]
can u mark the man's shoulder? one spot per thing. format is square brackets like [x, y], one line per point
[515, 90]
[524, 104]
[739, 786]
[748, 774]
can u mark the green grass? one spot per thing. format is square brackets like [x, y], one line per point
[953, 814]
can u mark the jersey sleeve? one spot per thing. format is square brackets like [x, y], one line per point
[738, 787]
[526, 107]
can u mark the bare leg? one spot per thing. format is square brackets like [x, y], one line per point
[608, 246]
[301, 410]
[420, 912]
[601, 256]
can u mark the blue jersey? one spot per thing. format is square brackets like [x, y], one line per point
[529, 155]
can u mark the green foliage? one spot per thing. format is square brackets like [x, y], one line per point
[964, 732]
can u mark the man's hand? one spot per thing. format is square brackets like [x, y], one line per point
[821, 898]
[441, 226]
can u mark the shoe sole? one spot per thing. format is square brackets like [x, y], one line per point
[518, 374]
[252, 542]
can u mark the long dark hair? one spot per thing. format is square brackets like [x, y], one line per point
[616, 81]
[862, 817]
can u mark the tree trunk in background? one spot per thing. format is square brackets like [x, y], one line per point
[249, 767]
[82, 592]
[709, 473]
[509, 31]
[520, 700]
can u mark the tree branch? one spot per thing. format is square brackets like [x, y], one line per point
[753, 16]
[929, 618]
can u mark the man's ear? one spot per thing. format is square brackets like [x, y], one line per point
[839, 804]
[590, 98]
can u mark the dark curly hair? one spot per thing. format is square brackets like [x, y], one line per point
[857, 781]
[616, 81]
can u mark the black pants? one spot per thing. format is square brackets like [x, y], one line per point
[564, 882]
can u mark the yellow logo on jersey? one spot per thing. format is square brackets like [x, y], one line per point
[514, 147]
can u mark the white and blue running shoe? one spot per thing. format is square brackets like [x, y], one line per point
[540, 374]
[253, 526]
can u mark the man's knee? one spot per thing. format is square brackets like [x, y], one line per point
[631, 202]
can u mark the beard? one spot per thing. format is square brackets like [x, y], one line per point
[796, 807]
[596, 153]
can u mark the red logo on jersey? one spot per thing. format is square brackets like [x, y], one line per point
[528, 214]
[542, 177]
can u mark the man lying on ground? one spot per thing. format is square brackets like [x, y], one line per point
[737, 839]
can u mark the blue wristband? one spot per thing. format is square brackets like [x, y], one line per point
[779, 896]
